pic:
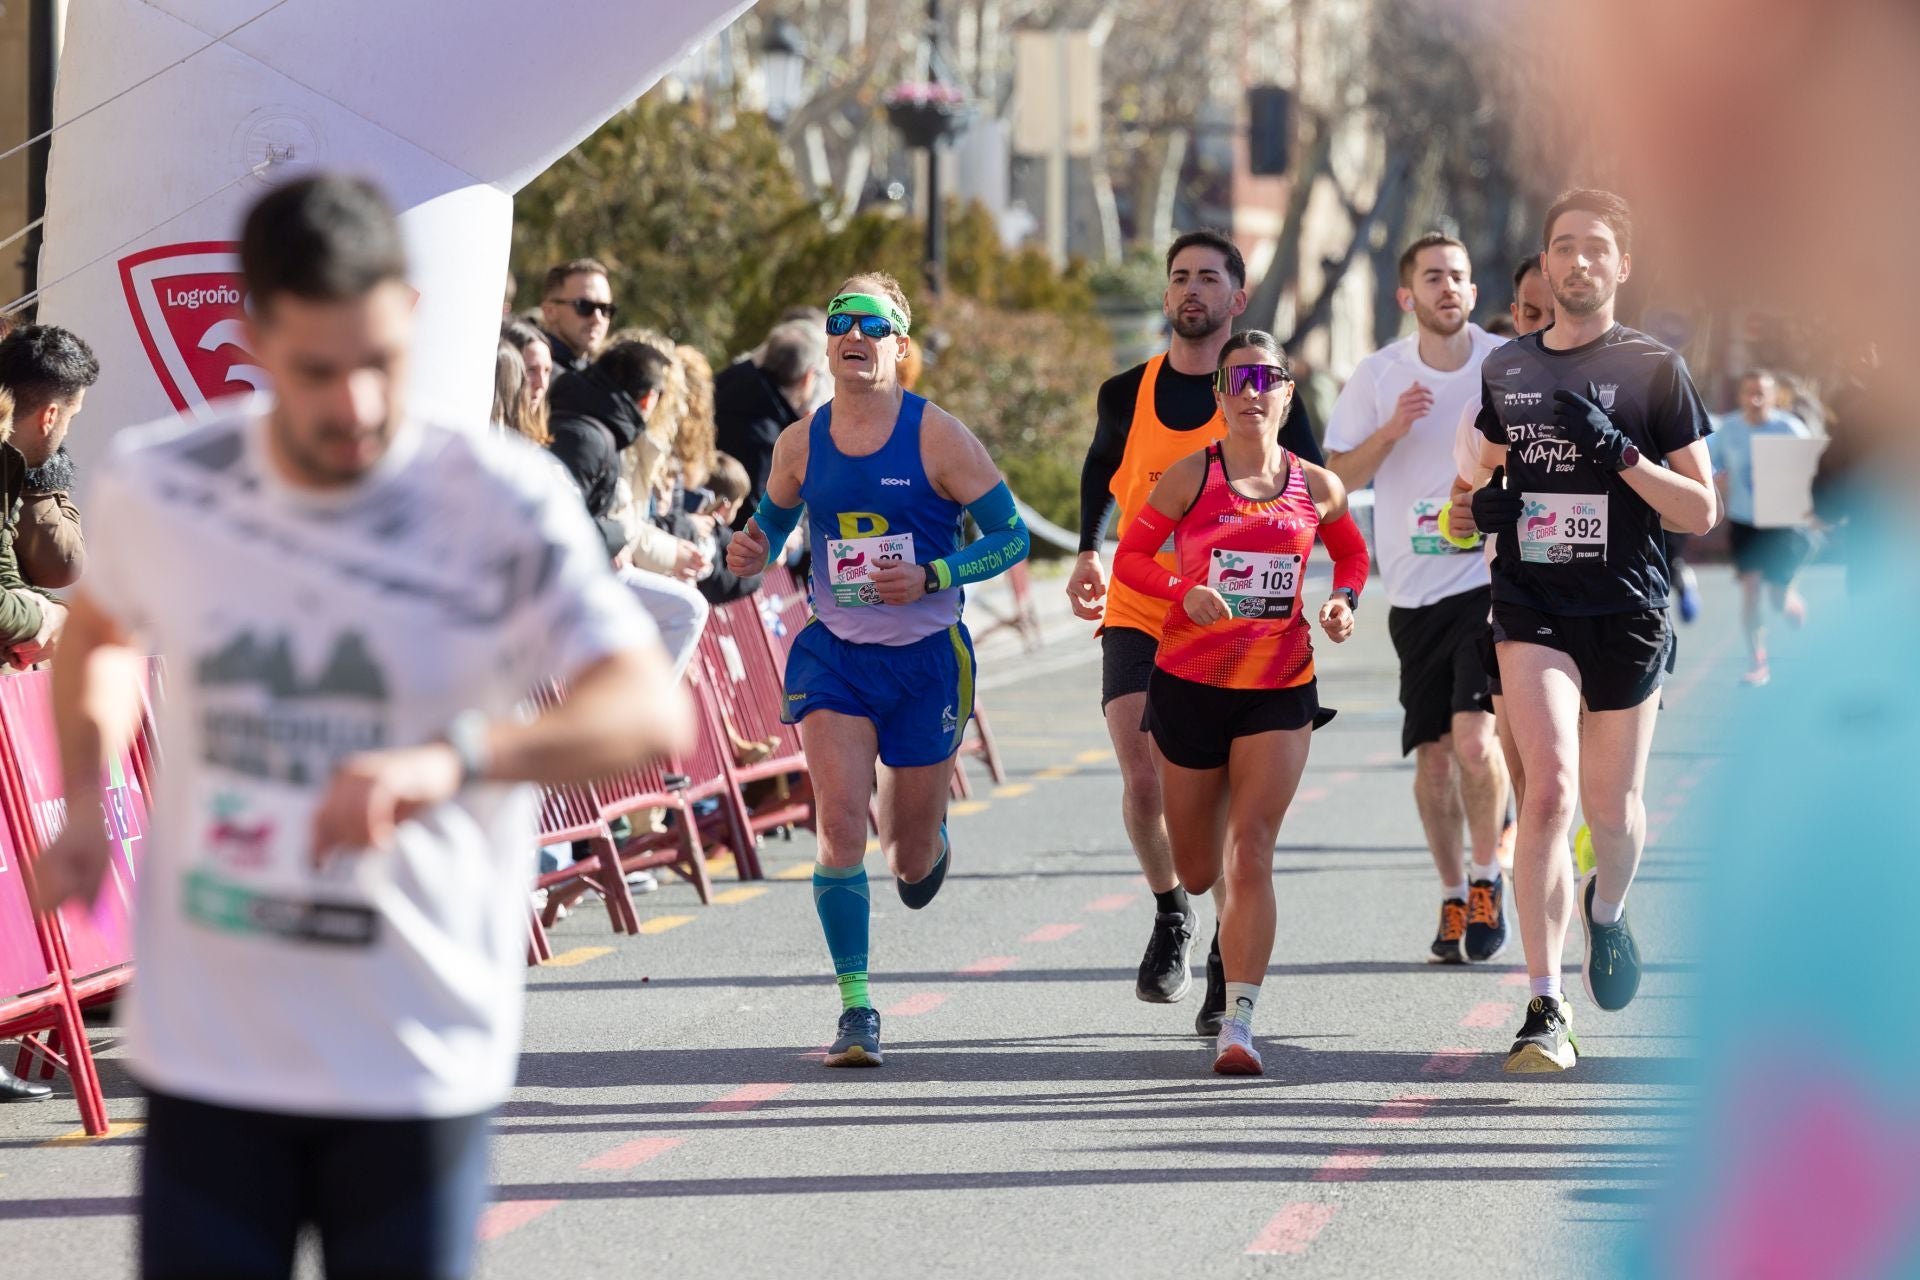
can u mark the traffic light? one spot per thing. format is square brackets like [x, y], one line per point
[1269, 129]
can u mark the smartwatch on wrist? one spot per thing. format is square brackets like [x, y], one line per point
[467, 734]
[933, 577]
[1353, 597]
[1629, 459]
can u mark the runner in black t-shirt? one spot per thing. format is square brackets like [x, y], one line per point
[1596, 435]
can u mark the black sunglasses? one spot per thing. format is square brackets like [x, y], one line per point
[584, 307]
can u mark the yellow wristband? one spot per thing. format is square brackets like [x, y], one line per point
[1465, 544]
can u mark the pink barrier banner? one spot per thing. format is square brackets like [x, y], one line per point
[23, 965]
[100, 937]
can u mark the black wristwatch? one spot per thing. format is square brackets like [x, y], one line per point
[1630, 459]
[1353, 597]
[933, 577]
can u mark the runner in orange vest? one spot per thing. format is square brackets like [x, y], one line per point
[1148, 418]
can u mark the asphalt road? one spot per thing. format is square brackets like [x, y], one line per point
[673, 1113]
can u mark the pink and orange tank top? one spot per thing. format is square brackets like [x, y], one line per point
[1254, 553]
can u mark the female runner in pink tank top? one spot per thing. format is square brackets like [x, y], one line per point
[1233, 698]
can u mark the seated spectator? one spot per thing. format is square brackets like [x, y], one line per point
[47, 371]
[755, 399]
[514, 411]
[536, 355]
[576, 310]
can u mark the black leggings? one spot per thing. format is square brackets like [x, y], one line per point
[224, 1193]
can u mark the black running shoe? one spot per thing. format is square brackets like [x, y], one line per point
[1546, 1040]
[858, 1041]
[1486, 919]
[1165, 974]
[921, 891]
[1612, 971]
[1213, 1008]
[1449, 945]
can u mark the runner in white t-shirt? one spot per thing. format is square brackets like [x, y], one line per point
[352, 605]
[1532, 310]
[1393, 427]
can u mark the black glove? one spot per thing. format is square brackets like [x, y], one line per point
[1584, 424]
[1494, 509]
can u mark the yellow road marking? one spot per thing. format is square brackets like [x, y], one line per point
[966, 808]
[803, 871]
[80, 1137]
[1057, 771]
[579, 955]
[873, 845]
[660, 924]
[1012, 791]
[744, 893]
[719, 862]
[1095, 757]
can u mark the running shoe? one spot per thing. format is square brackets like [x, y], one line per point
[1794, 607]
[1486, 920]
[1689, 592]
[1612, 971]
[921, 891]
[858, 1042]
[1233, 1051]
[1757, 677]
[1213, 1006]
[1165, 975]
[1449, 945]
[1546, 1040]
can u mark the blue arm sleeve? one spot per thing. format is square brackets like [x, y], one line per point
[777, 522]
[1002, 543]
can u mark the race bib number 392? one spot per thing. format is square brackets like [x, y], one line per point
[1563, 528]
[850, 561]
[1255, 584]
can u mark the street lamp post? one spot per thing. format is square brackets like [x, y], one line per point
[926, 114]
[783, 62]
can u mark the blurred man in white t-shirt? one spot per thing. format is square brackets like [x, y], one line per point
[353, 604]
[1393, 427]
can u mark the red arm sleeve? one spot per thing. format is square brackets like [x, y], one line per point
[1348, 548]
[1134, 562]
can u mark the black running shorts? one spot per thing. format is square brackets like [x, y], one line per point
[1126, 662]
[1774, 554]
[1442, 671]
[1194, 724]
[1622, 658]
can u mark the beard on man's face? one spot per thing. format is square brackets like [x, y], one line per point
[1580, 295]
[1204, 325]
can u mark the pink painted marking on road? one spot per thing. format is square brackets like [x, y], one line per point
[1406, 1109]
[747, 1097]
[1382, 757]
[990, 964]
[1488, 1013]
[1348, 1164]
[1052, 932]
[1293, 1228]
[1519, 979]
[629, 1154]
[1310, 795]
[510, 1215]
[1112, 902]
[922, 1002]
[1449, 1062]
[1343, 777]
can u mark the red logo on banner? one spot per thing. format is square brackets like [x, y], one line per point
[188, 303]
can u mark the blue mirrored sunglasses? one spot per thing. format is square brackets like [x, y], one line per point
[1234, 379]
[875, 327]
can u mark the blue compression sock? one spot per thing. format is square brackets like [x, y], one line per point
[840, 896]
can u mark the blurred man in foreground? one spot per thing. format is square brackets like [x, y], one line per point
[352, 603]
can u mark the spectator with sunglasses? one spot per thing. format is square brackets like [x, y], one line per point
[576, 310]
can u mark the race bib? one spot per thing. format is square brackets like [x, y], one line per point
[1563, 528]
[850, 561]
[1255, 584]
[254, 875]
[1424, 521]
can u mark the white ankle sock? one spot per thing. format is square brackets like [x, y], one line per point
[1489, 872]
[1240, 1000]
[1605, 912]
[1458, 891]
[1545, 987]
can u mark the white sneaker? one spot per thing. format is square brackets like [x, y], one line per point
[1233, 1051]
[641, 882]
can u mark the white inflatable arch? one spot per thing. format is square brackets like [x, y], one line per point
[175, 115]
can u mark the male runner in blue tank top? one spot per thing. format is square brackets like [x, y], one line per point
[884, 670]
